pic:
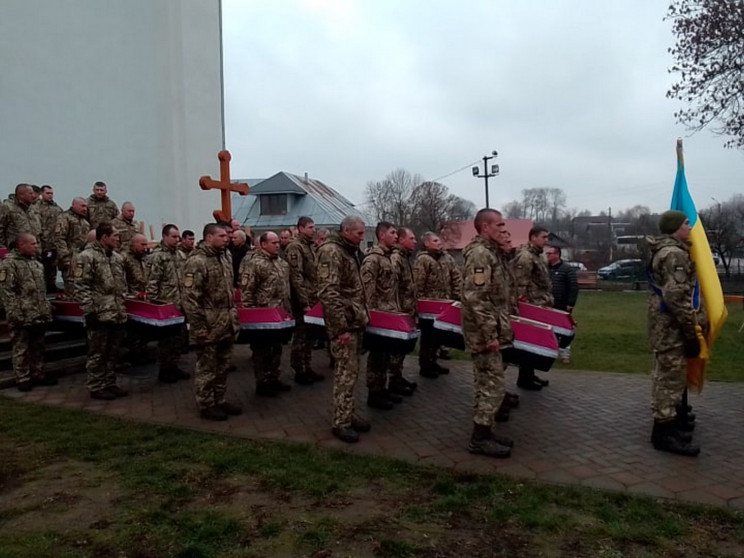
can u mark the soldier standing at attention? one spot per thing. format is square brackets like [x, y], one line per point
[164, 284]
[675, 312]
[100, 206]
[437, 278]
[303, 290]
[69, 237]
[381, 292]
[285, 237]
[264, 283]
[23, 294]
[100, 286]
[533, 286]
[187, 243]
[209, 305]
[486, 327]
[48, 211]
[19, 216]
[135, 272]
[401, 258]
[341, 292]
[125, 224]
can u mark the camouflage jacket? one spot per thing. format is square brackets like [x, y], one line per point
[672, 316]
[531, 276]
[302, 274]
[401, 259]
[486, 298]
[184, 254]
[164, 275]
[127, 229]
[437, 276]
[264, 281]
[69, 236]
[17, 218]
[506, 259]
[100, 284]
[101, 210]
[135, 271]
[380, 280]
[23, 291]
[48, 213]
[340, 287]
[208, 296]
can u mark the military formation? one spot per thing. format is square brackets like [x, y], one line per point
[103, 258]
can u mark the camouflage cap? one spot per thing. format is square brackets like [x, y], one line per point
[671, 221]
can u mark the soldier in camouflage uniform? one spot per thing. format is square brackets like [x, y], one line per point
[301, 259]
[135, 272]
[533, 285]
[19, 216]
[69, 238]
[437, 277]
[675, 312]
[208, 299]
[23, 294]
[48, 211]
[100, 286]
[401, 258]
[486, 328]
[126, 225]
[341, 292]
[381, 292]
[186, 246]
[264, 283]
[100, 207]
[164, 284]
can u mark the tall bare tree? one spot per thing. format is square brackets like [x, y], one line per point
[709, 56]
[723, 227]
[389, 198]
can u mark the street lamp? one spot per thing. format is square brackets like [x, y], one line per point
[486, 174]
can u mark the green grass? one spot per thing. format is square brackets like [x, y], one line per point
[611, 336]
[170, 492]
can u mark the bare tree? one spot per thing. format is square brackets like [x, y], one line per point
[514, 210]
[709, 55]
[389, 198]
[722, 224]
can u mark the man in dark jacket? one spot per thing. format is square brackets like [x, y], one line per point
[565, 288]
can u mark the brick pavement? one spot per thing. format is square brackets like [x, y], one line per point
[590, 429]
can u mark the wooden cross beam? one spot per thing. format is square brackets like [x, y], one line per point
[225, 187]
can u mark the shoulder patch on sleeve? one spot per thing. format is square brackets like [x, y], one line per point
[479, 276]
[324, 270]
[78, 270]
[3, 275]
[188, 280]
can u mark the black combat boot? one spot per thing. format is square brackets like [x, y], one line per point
[429, 372]
[379, 400]
[315, 375]
[167, 375]
[278, 385]
[502, 413]
[360, 425]
[512, 399]
[394, 397]
[526, 380]
[538, 380]
[45, 380]
[230, 408]
[399, 387]
[213, 413]
[265, 389]
[346, 434]
[117, 391]
[303, 379]
[665, 438]
[441, 369]
[483, 442]
[25, 386]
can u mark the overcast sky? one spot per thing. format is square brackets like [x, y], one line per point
[571, 94]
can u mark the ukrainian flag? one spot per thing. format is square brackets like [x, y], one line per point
[710, 284]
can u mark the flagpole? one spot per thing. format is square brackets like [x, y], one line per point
[680, 154]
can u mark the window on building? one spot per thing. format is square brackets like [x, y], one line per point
[274, 204]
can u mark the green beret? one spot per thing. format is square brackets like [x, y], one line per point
[671, 221]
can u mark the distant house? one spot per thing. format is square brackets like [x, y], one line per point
[277, 202]
[456, 236]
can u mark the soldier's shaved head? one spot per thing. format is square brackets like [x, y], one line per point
[27, 245]
[25, 238]
[79, 206]
[349, 222]
[484, 216]
[91, 236]
[138, 244]
[352, 229]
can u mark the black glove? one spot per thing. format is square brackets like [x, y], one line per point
[692, 347]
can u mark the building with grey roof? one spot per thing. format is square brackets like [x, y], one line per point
[277, 203]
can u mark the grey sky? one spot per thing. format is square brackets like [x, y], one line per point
[571, 94]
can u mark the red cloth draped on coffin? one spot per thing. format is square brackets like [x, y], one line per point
[563, 323]
[265, 325]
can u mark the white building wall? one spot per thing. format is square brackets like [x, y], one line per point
[124, 91]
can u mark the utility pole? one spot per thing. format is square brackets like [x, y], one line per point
[609, 229]
[486, 174]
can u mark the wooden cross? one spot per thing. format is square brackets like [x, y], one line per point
[225, 187]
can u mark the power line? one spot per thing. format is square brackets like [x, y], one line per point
[456, 171]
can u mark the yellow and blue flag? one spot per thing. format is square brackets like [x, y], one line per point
[710, 284]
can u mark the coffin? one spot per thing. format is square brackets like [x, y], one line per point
[448, 328]
[265, 325]
[153, 319]
[391, 332]
[535, 344]
[314, 322]
[428, 309]
[4, 252]
[563, 323]
[67, 314]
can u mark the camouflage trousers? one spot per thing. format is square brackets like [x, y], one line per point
[302, 347]
[104, 340]
[267, 360]
[395, 366]
[169, 351]
[488, 383]
[210, 375]
[27, 344]
[69, 280]
[668, 382]
[50, 271]
[428, 348]
[345, 376]
[378, 364]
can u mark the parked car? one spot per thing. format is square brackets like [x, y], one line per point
[623, 270]
[578, 266]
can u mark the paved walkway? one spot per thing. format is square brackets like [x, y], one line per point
[590, 429]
